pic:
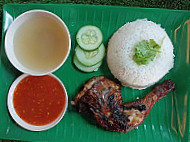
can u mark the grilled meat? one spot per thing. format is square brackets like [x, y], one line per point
[102, 99]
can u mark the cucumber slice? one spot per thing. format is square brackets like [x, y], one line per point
[89, 37]
[90, 58]
[85, 68]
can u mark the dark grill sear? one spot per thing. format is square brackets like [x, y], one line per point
[139, 106]
[102, 99]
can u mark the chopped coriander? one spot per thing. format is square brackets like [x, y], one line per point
[145, 51]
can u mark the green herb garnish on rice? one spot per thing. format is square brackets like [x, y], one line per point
[145, 51]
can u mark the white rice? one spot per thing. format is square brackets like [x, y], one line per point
[121, 50]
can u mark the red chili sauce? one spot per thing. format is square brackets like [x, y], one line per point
[39, 100]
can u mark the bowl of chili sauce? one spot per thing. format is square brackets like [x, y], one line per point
[37, 103]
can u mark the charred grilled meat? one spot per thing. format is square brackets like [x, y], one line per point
[102, 99]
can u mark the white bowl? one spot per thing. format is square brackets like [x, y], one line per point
[21, 122]
[9, 41]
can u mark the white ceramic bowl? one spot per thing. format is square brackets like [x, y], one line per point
[9, 41]
[21, 122]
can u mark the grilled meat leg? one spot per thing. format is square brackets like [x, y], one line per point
[139, 110]
[102, 99]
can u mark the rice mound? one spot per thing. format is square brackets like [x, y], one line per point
[121, 50]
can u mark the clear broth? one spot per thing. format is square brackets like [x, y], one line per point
[41, 43]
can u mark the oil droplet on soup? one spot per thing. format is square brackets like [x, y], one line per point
[41, 43]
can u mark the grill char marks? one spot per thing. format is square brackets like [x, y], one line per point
[102, 99]
[139, 107]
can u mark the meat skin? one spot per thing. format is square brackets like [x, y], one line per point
[101, 98]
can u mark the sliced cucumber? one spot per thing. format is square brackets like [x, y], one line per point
[90, 58]
[85, 68]
[89, 37]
